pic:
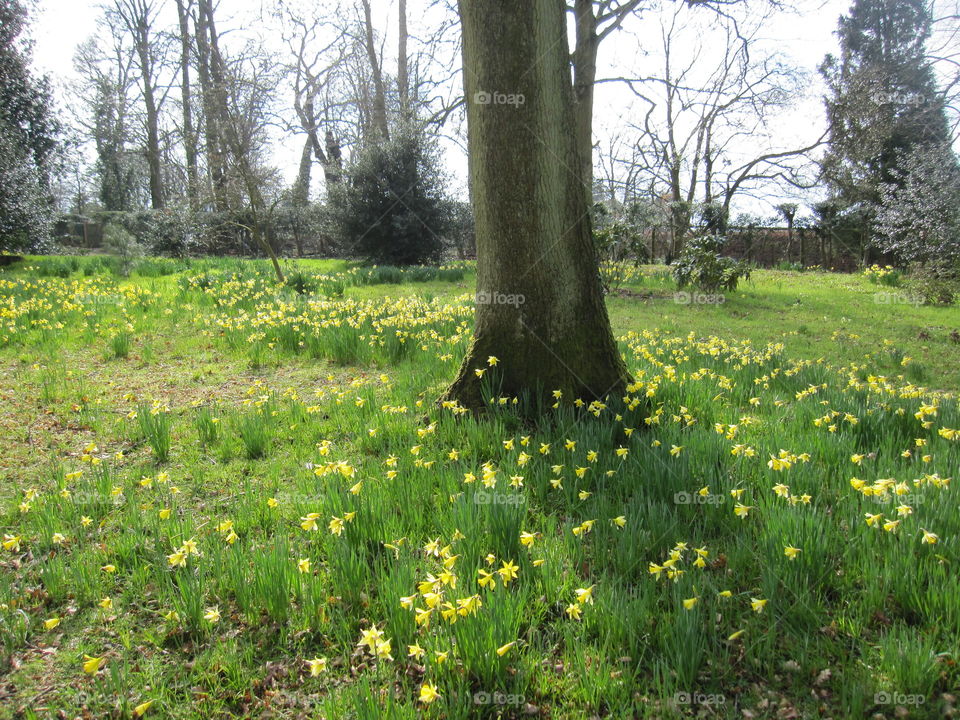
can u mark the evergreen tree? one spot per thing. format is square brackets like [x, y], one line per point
[391, 209]
[27, 144]
[883, 99]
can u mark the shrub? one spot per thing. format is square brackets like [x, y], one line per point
[303, 283]
[390, 207]
[934, 284]
[123, 246]
[918, 216]
[701, 265]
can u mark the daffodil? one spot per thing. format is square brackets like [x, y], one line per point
[428, 693]
[584, 595]
[504, 649]
[92, 664]
[508, 571]
[415, 651]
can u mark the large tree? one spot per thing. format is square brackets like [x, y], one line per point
[540, 307]
[883, 100]
[27, 138]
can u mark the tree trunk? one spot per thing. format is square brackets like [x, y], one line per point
[138, 22]
[584, 77]
[379, 90]
[540, 308]
[403, 77]
[214, 142]
[301, 188]
[189, 135]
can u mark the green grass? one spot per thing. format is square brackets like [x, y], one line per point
[254, 477]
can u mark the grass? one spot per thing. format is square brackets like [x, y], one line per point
[259, 478]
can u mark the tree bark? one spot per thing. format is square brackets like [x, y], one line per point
[301, 188]
[211, 115]
[584, 77]
[189, 134]
[403, 77]
[540, 307]
[379, 116]
[136, 16]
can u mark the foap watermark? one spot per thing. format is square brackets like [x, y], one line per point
[484, 97]
[900, 98]
[685, 498]
[497, 698]
[898, 698]
[481, 497]
[908, 499]
[698, 698]
[697, 298]
[896, 298]
[93, 299]
[492, 297]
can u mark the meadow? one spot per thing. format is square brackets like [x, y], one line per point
[225, 497]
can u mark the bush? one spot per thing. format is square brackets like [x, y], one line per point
[390, 207]
[701, 265]
[918, 217]
[934, 284]
[123, 246]
[303, 283]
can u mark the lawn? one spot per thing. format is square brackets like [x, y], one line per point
[222, 498]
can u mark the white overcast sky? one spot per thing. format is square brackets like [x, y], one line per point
[806, 36]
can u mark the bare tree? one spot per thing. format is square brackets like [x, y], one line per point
[107, 91]
[211, 82]
[594, 20]
[379, 100]
[184, 10]
[943, 52]
[314, 63]
[696, 124]
[138, 17]
[403, 74]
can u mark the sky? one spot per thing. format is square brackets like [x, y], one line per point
[60, 25]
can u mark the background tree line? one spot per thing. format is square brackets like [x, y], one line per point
[179, 111]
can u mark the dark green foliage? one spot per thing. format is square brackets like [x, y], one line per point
[702, 266]
[933, 283]
[883, 98]
[391, 209]
[619, 235]
[27, 132]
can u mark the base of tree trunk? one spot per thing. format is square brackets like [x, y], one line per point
[534, 371]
